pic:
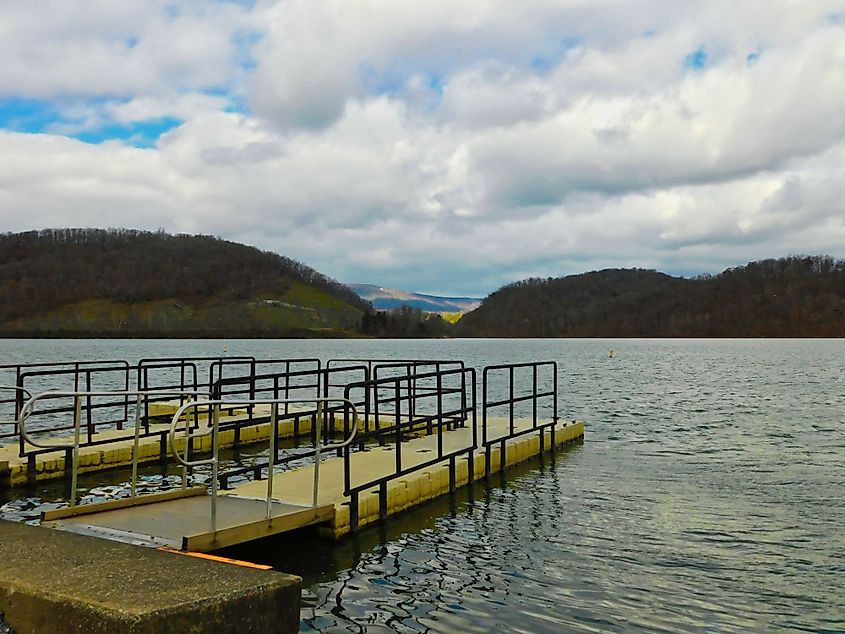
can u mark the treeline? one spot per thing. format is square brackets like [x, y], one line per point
[404, 322]
[45, 270]
[798, 296]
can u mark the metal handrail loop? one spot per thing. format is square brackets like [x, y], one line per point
[27, 410]
[214, 460]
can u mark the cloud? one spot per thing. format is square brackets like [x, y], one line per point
[434, 146]
[97, 47]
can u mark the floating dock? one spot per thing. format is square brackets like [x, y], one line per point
[182, 518]
[417, 486]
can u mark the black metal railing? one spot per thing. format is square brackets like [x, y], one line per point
[84, 378]
[392, 400]
[534, 400]
[396, 400]
[11, 405]
[301, 384]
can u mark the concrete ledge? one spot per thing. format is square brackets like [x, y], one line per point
[57, 582]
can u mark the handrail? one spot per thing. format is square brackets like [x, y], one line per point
[214, 460]
[16, 389]
[27, 409]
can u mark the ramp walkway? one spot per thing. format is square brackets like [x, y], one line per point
[184, 521]
[194, 519]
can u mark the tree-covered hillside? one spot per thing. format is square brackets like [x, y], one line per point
[120, 282]
[801, 296]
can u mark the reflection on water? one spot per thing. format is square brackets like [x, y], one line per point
[708, 496]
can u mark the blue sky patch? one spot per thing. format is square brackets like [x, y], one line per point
[140, 134]
[26, 115]
[552, 53]
[33, 116]
[696, 60]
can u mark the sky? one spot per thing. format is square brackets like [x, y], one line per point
[434, 146]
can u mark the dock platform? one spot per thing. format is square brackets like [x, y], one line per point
[182, 519]
[412, 489]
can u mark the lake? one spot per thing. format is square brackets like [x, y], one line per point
[709, 495]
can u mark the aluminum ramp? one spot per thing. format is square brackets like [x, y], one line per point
[181, 519]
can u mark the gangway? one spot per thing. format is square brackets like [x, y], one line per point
[192, 518]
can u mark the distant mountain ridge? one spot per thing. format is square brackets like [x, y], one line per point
[390, 298]
[128, 283]
[799, 296]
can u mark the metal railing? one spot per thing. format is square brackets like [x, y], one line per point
[72, 449]
[436, 418]
[18, 395]
[117, 371]
[534, 397]
[159, 379]
[281, 387]
[214, 460]
[80, 375]
[398, 399]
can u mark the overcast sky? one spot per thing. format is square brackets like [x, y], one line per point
[434, 145]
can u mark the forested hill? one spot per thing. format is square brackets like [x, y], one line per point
[789, 297]
[119, 282]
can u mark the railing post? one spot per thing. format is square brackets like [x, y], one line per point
[215, 464]
[510, 408]
[125, 399]
[275, 424]
[287, 385]
[135, 446]
[88, 414]
[398, 406]
[146, 400]
[187, 444]
[439, 404]
[77, 416]
[347, 478]
[18, 399]
[271, 458]
[318, 442]
[463, 398]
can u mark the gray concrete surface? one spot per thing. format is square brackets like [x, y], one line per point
[57, 582]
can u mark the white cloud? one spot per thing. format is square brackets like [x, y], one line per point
[441, 146]
[96, 47]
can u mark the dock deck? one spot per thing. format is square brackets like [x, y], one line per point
[182, 519]
[414, 488]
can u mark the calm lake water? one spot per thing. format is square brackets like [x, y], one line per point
[709, 495]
